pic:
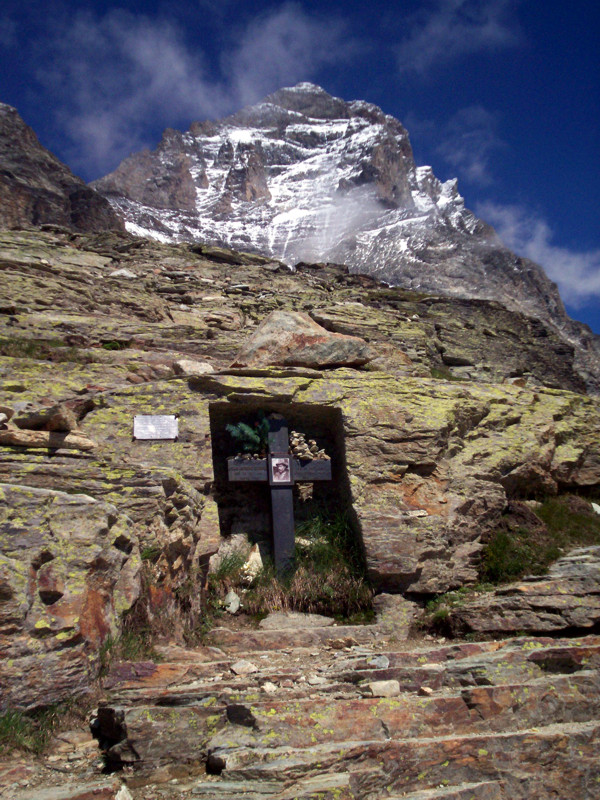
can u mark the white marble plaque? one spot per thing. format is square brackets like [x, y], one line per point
[150, 426]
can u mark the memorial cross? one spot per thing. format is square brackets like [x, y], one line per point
[282, 471]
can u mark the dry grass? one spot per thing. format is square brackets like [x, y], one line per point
[328, 575]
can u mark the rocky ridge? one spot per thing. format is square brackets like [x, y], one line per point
[36, 188]
[304, 176]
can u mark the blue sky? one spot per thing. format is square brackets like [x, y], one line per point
[503, 94]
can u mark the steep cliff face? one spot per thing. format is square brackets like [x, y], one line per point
[304, 176]
[36, 188]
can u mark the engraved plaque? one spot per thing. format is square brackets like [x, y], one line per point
[247, 470]
[317, 470]
[150, 426]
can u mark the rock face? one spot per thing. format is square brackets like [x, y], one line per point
[426, 452]
[424, 464]
[36, 188]
[69, 569]
[292, 339]
[304, 176]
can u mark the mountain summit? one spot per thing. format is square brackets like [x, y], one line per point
[305, 176]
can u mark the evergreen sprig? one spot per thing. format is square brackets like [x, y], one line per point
[250, 438]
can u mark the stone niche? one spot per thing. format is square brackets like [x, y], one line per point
[245, 507]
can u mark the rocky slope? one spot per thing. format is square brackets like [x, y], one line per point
[96, 329]
[437, 414]
[304, 176]
[36, 188]
[336, 714]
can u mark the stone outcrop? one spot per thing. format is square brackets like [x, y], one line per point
[69, 569]
[360, 719]
[568, 597]
[293, 339]
[425, 454]
[36, 188]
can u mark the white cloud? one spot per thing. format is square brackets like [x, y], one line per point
[112, 77]
[280, 48]
[457, 28]
[576, 273]
[469, 140]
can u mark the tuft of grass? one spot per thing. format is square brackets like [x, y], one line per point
[32, 731]
[437, 610]
[228, 569]
[444, 374]
[151, 553]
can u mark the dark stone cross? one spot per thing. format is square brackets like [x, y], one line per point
[282, 471]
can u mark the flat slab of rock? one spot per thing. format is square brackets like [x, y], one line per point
[244, 667]
[395, 613]
[290, 338]
[280, 620]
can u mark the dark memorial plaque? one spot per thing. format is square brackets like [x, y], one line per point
[240, 469]
[318, 470]
[281, 470]
[155, 427]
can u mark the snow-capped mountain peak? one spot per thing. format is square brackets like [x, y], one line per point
[305, 176]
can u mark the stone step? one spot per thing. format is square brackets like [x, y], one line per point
[522, 659]
[482, 790]
[333, 786]
[145, 735]
[451, 667]
[498, 708]
[563, 756]
[152, 735]
[264, 640]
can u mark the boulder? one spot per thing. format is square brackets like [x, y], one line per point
[290, 338]
[69, 569]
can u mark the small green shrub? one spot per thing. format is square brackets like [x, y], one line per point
[508, 555]
[568, 522]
